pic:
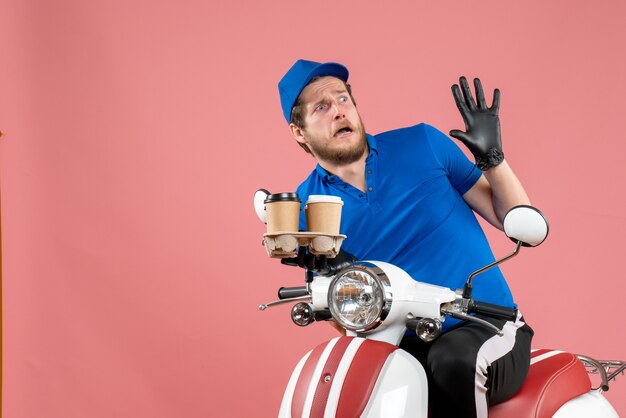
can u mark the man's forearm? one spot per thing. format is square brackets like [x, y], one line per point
[506, 189]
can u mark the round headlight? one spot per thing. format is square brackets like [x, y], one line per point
[357, 297]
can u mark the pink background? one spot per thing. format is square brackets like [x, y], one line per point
[137, 131]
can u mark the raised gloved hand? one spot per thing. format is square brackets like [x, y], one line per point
[482, 124]
[320, 264]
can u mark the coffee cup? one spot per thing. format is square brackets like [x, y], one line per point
[282, 212]
[323, 214]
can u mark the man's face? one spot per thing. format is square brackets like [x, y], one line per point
[333, 129]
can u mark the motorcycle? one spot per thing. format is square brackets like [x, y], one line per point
[366, 374]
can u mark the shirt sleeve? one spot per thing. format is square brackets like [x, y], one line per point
[463, 174]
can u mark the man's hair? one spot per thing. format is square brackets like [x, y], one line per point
[297, 116]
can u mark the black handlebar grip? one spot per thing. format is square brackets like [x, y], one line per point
[292, 292]
[494, 311]
[412, 324]
[322, 315]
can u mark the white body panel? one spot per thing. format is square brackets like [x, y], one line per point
[319, 292]
[591, 404]
[401, 389]
[418, 299]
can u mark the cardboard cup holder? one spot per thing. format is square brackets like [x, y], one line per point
[285, 244]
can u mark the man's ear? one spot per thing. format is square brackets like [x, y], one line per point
[297, 133]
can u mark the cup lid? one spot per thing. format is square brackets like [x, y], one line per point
[282, 197]
[324, 198]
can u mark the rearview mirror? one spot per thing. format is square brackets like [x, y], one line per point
[259, 204]
[526, 224]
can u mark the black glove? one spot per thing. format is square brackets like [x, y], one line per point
[320, 263]
[482, 125]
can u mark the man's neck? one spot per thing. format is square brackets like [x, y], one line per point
[353, 173]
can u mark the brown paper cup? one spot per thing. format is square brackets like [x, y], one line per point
[283, 212]
[323, 214]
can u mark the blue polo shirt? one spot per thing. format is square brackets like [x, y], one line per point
[412, 213]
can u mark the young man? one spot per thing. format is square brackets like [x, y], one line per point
[409, 199]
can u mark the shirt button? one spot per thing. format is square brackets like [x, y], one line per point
[369, 171]
[370, 189]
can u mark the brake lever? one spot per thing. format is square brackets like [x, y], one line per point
[264, 306]
[459, 315]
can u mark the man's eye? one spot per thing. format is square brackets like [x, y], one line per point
[319, 107]
[343, 99]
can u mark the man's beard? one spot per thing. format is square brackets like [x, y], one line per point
[340, 156]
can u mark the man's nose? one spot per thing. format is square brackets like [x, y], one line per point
[338, 113]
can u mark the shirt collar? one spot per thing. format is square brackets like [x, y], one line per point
[371, 142]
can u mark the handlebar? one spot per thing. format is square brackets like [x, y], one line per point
[494, 311]
[292, 292]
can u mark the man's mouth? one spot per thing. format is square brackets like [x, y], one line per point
[343, 132]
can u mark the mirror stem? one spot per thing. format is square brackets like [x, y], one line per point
[467, 291]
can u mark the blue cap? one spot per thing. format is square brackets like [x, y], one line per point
[301, 74]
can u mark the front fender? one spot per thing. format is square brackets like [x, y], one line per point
[352, 376]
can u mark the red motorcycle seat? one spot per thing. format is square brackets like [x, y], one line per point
[554, 378]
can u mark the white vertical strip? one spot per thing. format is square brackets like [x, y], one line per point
[545, 356]
[340, 377]
[493, 349]
[308, 402]
[285, 405]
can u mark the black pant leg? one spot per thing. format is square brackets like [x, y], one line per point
[470, 367]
